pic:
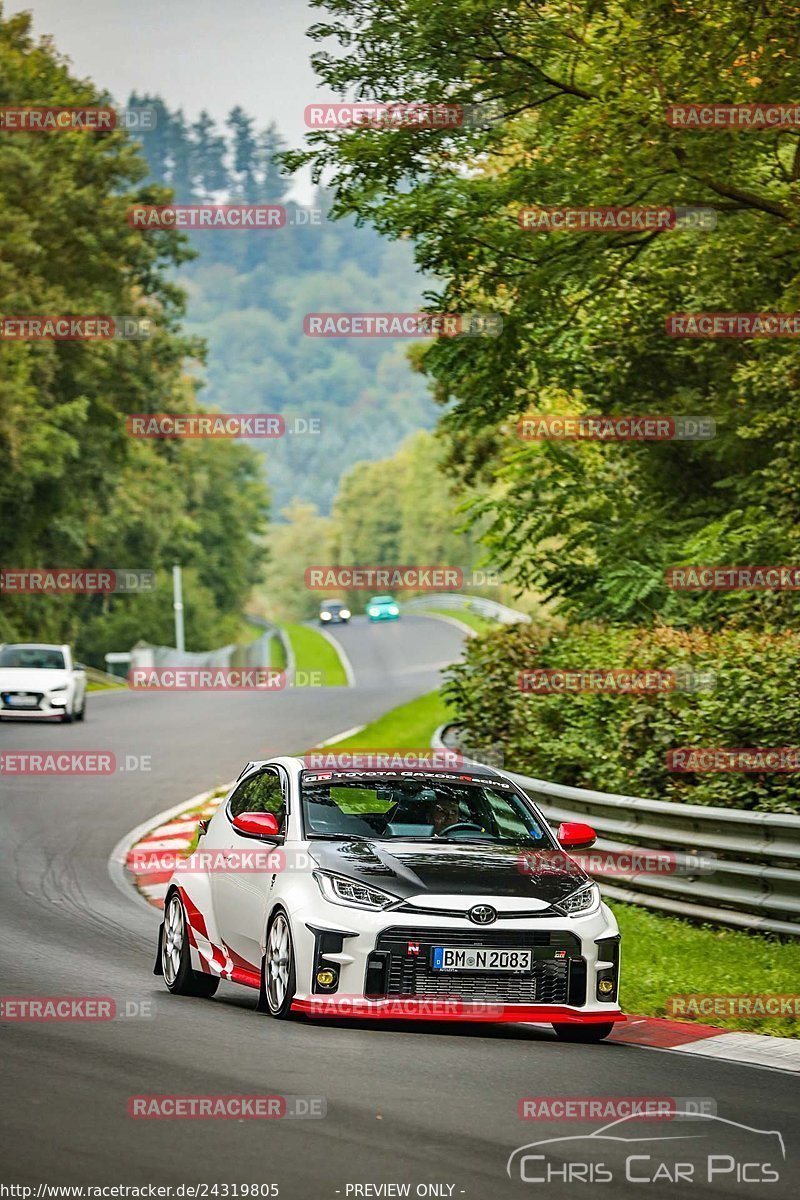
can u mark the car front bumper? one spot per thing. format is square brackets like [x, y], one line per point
[43, 710]
[382, 964]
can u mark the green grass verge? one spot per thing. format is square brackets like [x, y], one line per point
[315, 656]
[665, 956]
[410, 726]
[277, 655]
[92, 686]
[473, 620]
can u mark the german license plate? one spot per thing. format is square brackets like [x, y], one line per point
[464, 958]
[23, 701]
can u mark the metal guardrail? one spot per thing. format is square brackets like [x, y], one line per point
[95, 675]
[275, 631]
[754, 880]
[477, 604]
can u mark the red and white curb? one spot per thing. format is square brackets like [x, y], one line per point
[174, 830]
[708, 1041]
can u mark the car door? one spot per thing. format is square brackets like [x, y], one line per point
[239, 893]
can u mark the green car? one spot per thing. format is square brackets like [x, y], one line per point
[383, 608]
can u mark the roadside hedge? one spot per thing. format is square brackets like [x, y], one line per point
[619, 742]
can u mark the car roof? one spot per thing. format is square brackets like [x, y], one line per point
[338, 603]
[468, 766]
[389, 598]
[33, 646]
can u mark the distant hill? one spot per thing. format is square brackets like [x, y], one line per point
[249, 291]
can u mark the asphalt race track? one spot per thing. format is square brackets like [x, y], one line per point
[416, 1104]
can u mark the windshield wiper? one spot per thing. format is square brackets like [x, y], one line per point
[339, 837]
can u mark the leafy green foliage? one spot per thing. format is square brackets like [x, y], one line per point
[75, 489]
[619, 742]
[398, 511]
[249, 292]
[579, 91]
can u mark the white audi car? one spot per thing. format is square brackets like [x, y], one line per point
[435, 894]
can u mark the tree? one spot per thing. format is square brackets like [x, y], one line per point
[578, 93]
[75, 489]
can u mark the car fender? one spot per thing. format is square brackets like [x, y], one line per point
[207, 950]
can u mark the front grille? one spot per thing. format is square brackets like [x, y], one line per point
[412, 975]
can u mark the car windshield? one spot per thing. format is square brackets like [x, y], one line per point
[36, 658]
[331, 604]
[382, 600]
[426, 808]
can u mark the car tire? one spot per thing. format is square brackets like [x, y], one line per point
[176, 961]
[66, 717]
[584, 1033]
[81, 716]
[278, 979]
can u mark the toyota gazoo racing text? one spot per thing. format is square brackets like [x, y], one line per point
[419, 892]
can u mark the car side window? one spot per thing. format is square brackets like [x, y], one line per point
[260, 793]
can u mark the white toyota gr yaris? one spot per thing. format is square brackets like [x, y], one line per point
[425, 893]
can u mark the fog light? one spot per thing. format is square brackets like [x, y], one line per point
[326, 978]
[605, 986]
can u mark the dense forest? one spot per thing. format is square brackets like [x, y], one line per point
[580, 94]
[248, 293]
[75, 490]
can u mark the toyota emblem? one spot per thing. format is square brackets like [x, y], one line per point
[482, 914]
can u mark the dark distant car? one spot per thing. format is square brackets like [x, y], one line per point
[383, 608]
[333, 612]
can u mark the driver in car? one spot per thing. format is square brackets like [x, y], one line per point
[444, 812]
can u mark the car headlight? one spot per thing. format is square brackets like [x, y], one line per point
[58, 697]
[326, 616]
[341, 890]
[345, 613]
[373, 612]
[394, 610]
[582, 902]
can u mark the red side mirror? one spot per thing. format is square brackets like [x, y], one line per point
[574, 835]
[257, 824]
